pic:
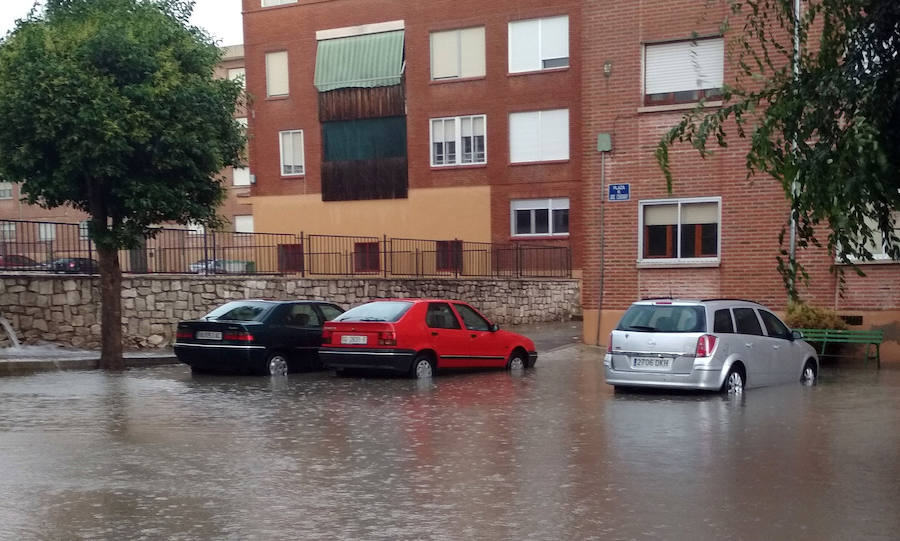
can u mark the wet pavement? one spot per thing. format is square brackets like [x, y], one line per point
[554, 453]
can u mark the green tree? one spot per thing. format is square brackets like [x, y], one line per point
[824, 120]
[110, 106]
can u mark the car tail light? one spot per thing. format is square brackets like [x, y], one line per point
[326, 335]
[387, 338]
[609, 344]
[241, 336]
[705, 345]
[184, 334]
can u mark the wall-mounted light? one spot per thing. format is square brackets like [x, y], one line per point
[607, 68]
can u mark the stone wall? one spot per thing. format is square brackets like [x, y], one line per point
[66, 310]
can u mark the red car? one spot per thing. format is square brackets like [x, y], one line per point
[419, 337]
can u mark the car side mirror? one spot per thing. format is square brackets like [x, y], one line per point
[494, 327]
[796, 335]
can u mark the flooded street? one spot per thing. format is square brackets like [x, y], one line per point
[157, 453]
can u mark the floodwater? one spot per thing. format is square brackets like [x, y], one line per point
[157, 453]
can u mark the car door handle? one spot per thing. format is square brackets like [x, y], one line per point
[749, 344]
[474, 335]
[433, 333]
[775, 346]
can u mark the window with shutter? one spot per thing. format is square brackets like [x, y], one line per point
[683, 71]
[679, 230]
[538, 44]
[537, 136]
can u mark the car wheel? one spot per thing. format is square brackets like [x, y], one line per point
[734, 381]
[422, 367]
[517, 361]
[809, 375]
[277, 365]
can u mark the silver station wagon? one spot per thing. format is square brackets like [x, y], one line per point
[716, 344]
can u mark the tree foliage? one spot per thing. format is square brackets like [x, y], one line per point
[829, 133]
[110, 106]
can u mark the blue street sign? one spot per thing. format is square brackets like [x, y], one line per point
[619, 192]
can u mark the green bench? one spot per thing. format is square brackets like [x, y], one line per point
[836, 336]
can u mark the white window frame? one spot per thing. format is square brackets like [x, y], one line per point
[6, 190]
[686, 261]
[238, 73]
[287, 75]
[549, 204]
[458, 137]
[7, 231]
[293, 163]
[195, 229]
[537, 44]
[714, 47]
[881, 256]
[459, 33]
[270, 3]
[46, 232]
[543, 154]
[236, 220]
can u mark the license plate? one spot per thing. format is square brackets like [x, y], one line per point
[651, 363]
[353, 339]
[208, 335]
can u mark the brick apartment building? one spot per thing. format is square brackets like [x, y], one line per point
[483, 121]
[456, 139]
[235, 208]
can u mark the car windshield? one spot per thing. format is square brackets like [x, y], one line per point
[376, 311]
[663, 318]
[240, 311]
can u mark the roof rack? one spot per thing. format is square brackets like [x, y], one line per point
[729, 299]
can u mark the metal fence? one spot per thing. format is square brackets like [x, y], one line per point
[66, 247]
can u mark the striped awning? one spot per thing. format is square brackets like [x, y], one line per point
[364, 61]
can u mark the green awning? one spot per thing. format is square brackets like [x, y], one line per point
[363, 61]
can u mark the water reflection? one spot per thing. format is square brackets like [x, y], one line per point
[547, 454]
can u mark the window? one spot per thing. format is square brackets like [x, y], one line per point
[663, 318]
[241, 176]
[683, 71]
[243, 223]
[458, 140]
[679, 230]
[538, 44]
[267, 3]
[457, 53]
[84, 230]
[301, 315]
[722, 322]
[291, 153]
[531, 217]
[877, 245]
[538, 136]
[747, 323]
[472, 319]
[7, 231]
[47, 232]
[440, 316]
[238, 74]
[448, 255]
[277, 74]
[774, 327]
[193, 228]
[6, 190]
[329, 312]
[366, 257]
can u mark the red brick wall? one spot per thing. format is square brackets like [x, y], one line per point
[753, 211]
[293, 27]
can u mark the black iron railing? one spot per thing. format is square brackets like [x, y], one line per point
[65, 247]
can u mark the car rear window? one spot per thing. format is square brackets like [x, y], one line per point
[663, 318]
[376, 311]
[240, 311]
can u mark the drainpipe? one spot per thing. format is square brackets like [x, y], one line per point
[794, 186]
[604, 145]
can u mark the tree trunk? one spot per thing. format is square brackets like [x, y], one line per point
[110, 309]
